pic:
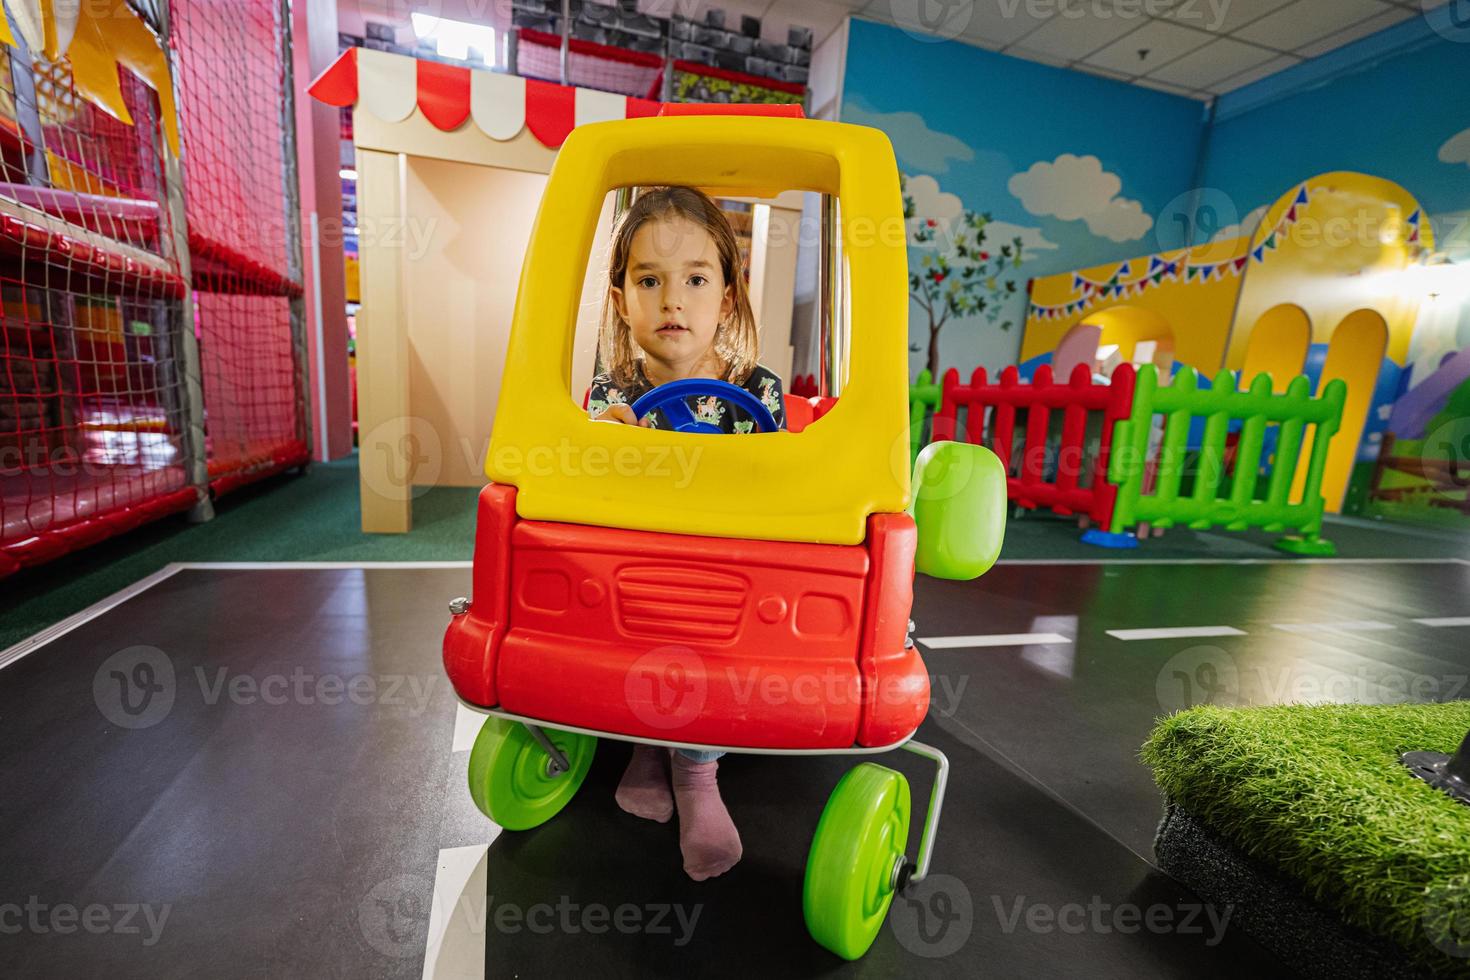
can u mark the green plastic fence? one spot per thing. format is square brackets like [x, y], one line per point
[1240, 507]
[923, 399]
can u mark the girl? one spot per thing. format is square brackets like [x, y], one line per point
[677, 307]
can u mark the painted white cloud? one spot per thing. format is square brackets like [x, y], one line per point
[931, 202]
[1121, 219]
[920, 147]
[1070, 188]
[1456, 149]
[1075, 188]
[1246, 225]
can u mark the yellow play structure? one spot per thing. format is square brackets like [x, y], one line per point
[1325, 266]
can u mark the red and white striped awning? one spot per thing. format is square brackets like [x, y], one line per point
[390, 85]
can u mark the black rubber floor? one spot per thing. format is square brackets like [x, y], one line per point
[250, 773]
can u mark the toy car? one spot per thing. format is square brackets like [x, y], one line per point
[658, 586]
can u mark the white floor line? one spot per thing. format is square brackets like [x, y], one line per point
[1444, 621]
[457, 918]
[35, 642]
[991, 640]
[1341, 626]
[467, 725]
[1175, 633]
[40, 639]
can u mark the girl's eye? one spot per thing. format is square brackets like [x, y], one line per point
[697, 280]
[648, 282]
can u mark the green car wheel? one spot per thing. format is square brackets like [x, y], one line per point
[510, 777]
[849, 871]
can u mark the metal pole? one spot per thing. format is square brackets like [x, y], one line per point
[666, 89]
[936, 805]
[622, 201]
[291, 188]
[513, 52]
[566, 38]
[829, 382]
[196, 462]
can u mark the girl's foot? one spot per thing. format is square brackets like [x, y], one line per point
[644, 789]
[707, 835]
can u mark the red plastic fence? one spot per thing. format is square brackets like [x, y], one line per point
[1026, 478]
[804, 385]
[803, 411]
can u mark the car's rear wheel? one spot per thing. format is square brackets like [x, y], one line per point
[513, 779]
[855, 853]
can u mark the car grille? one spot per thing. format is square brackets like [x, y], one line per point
[679, 602]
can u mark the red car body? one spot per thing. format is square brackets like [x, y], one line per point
[691, 639]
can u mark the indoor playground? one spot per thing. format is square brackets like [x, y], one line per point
[798, 488]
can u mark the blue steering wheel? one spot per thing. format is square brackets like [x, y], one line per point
[670, 397]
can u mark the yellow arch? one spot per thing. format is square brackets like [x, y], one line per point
[1278, 345]
[1338, 254]
[1127, 325]
[1354, 354]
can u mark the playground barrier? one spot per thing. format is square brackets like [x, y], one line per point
[1434, 481]
[1167, 501]
[1203, 465]
[923, 399]
[803, 386]
[1030, 481]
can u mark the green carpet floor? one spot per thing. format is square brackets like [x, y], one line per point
[316, 518]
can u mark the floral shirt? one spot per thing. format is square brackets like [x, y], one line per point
[764, 383]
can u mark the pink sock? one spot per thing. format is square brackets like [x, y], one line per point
[644, 788]
[707, 835]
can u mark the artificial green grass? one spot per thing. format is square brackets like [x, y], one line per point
[1316, 793]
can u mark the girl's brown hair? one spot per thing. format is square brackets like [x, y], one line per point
[737, 341]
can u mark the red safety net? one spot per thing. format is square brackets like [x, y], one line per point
[240, 200]
[250, 402]
[92, 413]
[589, 64]
[1065, 472]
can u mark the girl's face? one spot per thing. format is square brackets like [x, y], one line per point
[674, 295]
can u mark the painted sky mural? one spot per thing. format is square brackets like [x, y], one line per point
[1110, 171]
[1075, 185]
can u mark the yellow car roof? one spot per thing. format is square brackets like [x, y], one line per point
[816, 485]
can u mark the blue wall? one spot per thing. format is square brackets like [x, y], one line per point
[1387, 105]
[1396, 105]
[974, 120]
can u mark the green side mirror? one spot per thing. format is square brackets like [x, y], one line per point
[959, 507]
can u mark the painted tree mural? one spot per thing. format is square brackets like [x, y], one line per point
[958, 274]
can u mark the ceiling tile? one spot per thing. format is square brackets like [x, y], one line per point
[1279, 63]
[1219, 59]
[989, 23]
[1000, 23]
[1079, 28]
[1360, 30]
[1164, 41]
[1208, 16]
[1307, 20]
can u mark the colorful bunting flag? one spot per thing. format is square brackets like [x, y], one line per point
[1160, 269]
